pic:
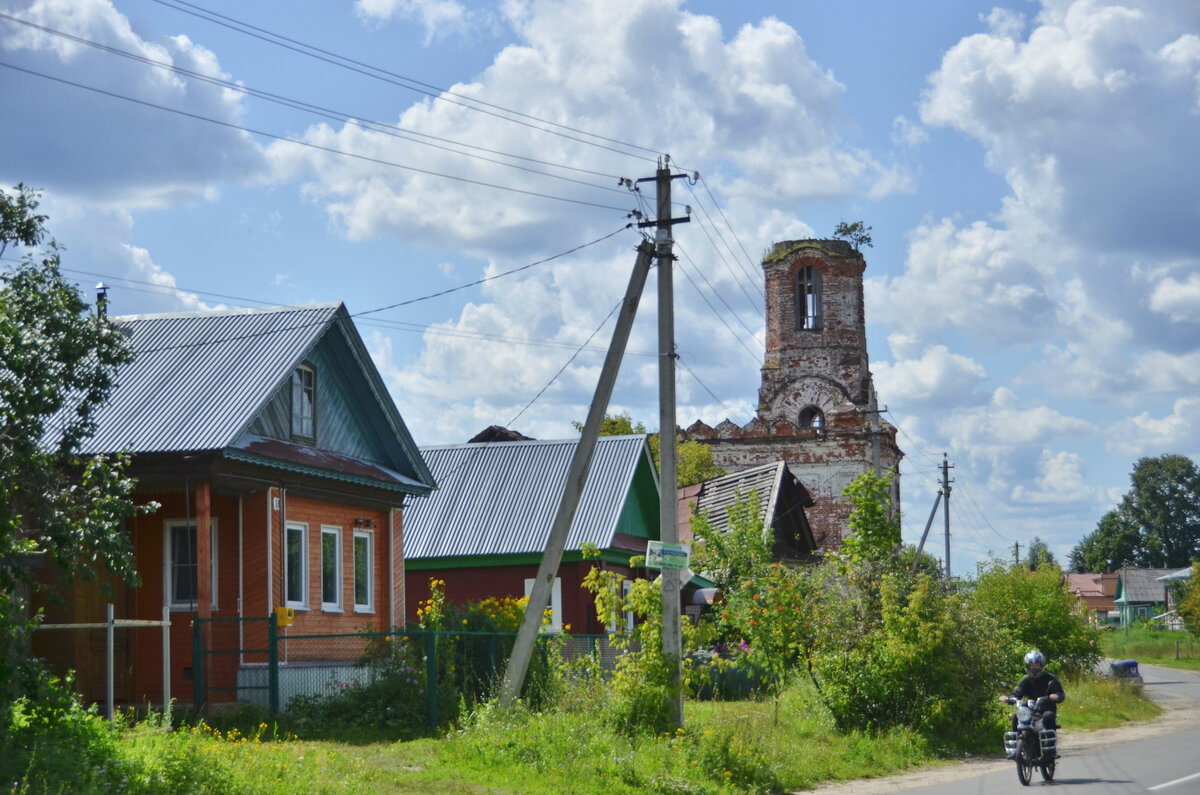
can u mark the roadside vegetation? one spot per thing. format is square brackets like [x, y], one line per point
[1149, 645]
[853, 668]
[861, 666]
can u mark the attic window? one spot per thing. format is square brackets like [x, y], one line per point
[812, 418]
[808, 298]
[304, 403]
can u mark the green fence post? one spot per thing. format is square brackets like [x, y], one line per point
[272, 664]
[431, 682]
[491, 655]
[197, 667]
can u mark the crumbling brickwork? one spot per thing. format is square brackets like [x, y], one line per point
[816, 404]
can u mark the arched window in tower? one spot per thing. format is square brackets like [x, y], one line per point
[808, 298]
[813, 419]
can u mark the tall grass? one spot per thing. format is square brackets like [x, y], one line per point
[1154, 646]
[571, 747]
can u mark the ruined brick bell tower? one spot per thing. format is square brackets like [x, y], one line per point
[817, 408]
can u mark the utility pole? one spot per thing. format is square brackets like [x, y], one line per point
[946, 510]
[672, 631]
[1016, 553]
[518, 663]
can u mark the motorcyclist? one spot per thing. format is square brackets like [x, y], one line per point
[1038, 683]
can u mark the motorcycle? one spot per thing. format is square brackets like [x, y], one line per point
[1031, 745]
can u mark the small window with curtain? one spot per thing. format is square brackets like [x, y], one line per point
[304, 403]
[182, 563]
[296, 565]
[331, 568]
[364, 571]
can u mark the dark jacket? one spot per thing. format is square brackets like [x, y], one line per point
[1038, 686]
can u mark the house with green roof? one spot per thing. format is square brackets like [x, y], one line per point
[484, 530]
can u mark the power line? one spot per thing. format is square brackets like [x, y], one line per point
[717, 293]
[755, 295]
[436, 93]
[689, 371]
[566, 364]
[392, 130]
[307, 144]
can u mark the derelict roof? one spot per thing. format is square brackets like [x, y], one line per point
[500, 498]
[718, 494]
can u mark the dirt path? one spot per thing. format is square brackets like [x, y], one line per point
[1178, 714]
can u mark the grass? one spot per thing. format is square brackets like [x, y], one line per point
[727, 747]
[1158, 647]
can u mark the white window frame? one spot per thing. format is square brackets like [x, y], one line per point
[334, 606]
[302, 602]
[369, 605]
[626, 590]
[168, 570]
[556, 623]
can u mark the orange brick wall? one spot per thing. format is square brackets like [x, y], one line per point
[261, 587]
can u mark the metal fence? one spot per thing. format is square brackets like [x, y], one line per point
[263, 664]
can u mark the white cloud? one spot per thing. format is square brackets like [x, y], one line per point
[1145, 434]
[1178, 300]
[128, 154]
[935, 378]
[756, 103]
[438, 17]
[907, 132]
[1061, 479]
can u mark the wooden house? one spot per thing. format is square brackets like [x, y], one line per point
[281, 467]
[485, 528]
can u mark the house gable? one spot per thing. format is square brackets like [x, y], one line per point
[640, 516]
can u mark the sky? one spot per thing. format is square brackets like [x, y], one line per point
[1028, 171]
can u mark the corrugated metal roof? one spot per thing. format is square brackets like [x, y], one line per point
[500, 498]
[1141, 585]
[198, 378]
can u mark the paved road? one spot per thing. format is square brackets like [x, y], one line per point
[1162, 758]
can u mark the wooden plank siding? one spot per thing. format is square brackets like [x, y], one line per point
[473, 584]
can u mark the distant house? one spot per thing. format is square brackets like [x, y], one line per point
[281, 465]
[1140, 596]
[1090, 589]
[484, 530]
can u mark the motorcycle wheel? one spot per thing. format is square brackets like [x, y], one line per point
[1048, 771]
[1025, 757]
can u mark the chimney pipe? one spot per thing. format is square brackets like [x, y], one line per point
[101, 300]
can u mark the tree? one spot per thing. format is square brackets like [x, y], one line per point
[874, 526]
[694, 460]
[1039, 555]
[56, 368]
[1188, 604]
[856, 234]
[1114, 542]
[1164, 504]
[1036, 609]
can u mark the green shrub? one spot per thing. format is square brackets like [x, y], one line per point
[1036, 610]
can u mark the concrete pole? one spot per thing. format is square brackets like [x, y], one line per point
[518, 663]
[946, 509]
[672, 638]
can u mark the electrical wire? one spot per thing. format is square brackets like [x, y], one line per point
[436, 93]
[717, 293]
[310, 145]
[394, 131]
[566, 364]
